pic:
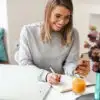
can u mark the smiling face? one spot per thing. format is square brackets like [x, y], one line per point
[60, 16]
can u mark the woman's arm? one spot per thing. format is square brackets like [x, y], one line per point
[73, 57]
[25, 57]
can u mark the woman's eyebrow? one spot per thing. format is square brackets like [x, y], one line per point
[58, 14]
[67, 15]
[62, 15]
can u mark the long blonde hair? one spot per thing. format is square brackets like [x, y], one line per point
[66, 31]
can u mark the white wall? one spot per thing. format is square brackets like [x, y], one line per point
[95, 20]
[21, 12]
[82, 14]
[3, 14]
[87, 1]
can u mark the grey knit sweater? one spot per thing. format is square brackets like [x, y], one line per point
[42, 56]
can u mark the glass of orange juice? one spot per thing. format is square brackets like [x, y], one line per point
[78, 85]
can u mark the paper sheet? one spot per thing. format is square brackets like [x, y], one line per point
[66, 84]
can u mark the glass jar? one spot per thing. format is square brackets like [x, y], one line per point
[97, 87]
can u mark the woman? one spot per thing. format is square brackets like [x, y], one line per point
[53, 43]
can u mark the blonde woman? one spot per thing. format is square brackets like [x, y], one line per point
[52, 43]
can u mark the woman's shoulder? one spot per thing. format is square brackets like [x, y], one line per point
[32, 26]
[75, 31]
[31, 29]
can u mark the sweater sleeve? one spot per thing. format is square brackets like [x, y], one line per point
[73, 56]
[25, 57]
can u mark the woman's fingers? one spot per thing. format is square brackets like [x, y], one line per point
[84, 63]
[82, 70]
[53, 81]
[83, 67]
[53, 78]
[81, 73]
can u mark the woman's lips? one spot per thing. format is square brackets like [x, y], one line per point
[59, 26]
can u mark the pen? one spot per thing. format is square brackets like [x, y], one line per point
[52, 70]
[57, 78]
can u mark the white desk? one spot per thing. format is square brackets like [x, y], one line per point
[20, 83]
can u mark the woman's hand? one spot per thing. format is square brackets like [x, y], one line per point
[53, 78]
[83, 68]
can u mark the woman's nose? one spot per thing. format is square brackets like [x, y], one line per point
[61, 22]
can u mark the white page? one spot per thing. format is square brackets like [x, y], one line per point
[66, 84]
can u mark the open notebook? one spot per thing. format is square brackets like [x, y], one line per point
[66, 84]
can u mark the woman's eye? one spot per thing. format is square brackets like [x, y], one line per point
[57, 16]
[67, 17]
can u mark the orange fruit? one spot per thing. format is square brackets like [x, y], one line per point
[78, 85]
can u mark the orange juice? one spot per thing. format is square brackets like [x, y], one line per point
[78, 85]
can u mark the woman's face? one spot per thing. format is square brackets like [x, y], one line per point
[60, 16]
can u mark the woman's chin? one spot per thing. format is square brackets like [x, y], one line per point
[57, 29]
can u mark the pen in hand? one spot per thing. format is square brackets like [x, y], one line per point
[52, 70]
[57, 76]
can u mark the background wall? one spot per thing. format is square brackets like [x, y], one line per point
[86, 12]
[21, 12]
[87, 1]
[3, 14]
[95, 20]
